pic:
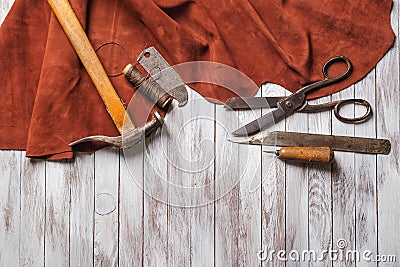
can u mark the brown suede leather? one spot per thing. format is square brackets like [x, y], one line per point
[48, 100]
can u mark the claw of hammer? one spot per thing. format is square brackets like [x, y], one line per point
[128, 139]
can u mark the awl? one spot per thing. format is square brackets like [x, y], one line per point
[339, 143]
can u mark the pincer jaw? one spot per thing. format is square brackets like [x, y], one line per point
[128, 139]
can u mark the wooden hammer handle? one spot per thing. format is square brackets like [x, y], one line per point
[307, 154]
[79, 40]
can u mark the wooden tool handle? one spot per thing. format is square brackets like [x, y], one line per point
[307, 154]
[79, 40]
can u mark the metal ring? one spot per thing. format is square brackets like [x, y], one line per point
[337, 59]
[363, 118]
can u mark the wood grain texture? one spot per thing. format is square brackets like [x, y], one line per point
[343, 180]
[249, 198]
[202, 184]
[179, 192]
[319, 192]
[32, 212]
[297, 195]
[226, 190]
[365, 172]
[10, 202]
[317, 155]
[273, 195]
[155, 218]
[81, 211]
[131, 209]
[57, 224]
[388, 169]
[106, 191]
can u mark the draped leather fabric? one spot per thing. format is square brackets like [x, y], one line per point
[48, 100]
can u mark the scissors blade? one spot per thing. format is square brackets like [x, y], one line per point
[253, 102]
[261, 123]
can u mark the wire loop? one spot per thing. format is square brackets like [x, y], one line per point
[123, 49]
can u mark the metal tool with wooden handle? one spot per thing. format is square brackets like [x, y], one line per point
[340, 143]
[322, 155]
[79, 40]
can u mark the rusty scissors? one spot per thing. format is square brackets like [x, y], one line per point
[297, 102]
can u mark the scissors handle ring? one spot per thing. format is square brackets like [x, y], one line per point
[365, 117]
[337, 59]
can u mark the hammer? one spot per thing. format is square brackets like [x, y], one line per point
[79, 40]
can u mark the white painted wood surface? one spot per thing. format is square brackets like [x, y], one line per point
[273, 195]
[93, 211]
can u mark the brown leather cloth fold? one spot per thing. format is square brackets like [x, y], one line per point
[48, 100]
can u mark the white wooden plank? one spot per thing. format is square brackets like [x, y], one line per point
[365, 172]
[82, 210]
[57, 213]
[297, 194]
[10, 207]
[273, 195]
[31, 243]
[9, 191]
[32, 212]
[343, 179]
[249, 206]
[155, 247]
[180, 141]
[319, 191]
[131, 208]
[106, 207]
[202, 181]
[226, 190]
[388, 169]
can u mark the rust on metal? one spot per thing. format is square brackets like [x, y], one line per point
[340, 143]
[159, 69]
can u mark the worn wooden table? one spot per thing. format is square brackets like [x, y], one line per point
[93, 210]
